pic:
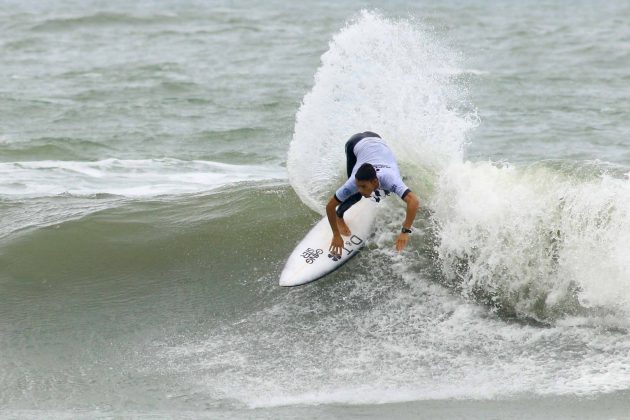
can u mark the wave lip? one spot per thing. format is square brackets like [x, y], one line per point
[132, 178]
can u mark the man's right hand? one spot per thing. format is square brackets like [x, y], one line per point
[336, 245]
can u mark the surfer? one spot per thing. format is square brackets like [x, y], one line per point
[371, 167]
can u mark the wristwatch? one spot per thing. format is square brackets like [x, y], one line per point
[405, 230]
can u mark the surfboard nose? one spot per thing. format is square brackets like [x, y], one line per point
[285, 279]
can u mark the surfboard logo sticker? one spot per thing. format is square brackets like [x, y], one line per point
[356, 240]
[348, 247]
[311, 255]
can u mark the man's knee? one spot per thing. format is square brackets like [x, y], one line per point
[346, 204]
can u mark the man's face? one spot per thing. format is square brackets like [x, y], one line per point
[366, 188]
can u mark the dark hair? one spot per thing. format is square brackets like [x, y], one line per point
[366, 172]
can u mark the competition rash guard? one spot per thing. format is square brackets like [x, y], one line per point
[374, 151]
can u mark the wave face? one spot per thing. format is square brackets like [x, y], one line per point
[386, 76]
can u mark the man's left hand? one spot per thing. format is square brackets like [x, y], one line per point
[401, 242]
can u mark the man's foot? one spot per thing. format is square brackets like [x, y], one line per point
[343, 228]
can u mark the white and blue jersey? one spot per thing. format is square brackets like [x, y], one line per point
[374, 151]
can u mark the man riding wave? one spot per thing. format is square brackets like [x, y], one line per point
[371, 167]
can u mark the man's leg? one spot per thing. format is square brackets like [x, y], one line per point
[349, 202]
[351, 158]
[342, 208]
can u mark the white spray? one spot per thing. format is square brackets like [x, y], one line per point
[385, 76]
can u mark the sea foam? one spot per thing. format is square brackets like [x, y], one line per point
[131, 178]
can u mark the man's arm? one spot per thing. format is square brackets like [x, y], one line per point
[337, 241]
[412, 207]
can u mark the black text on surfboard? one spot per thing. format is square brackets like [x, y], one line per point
[311, 254]
[354, 241]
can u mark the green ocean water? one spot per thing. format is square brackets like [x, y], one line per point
[160, 160]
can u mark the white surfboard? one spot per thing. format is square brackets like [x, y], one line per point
[312, 260]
